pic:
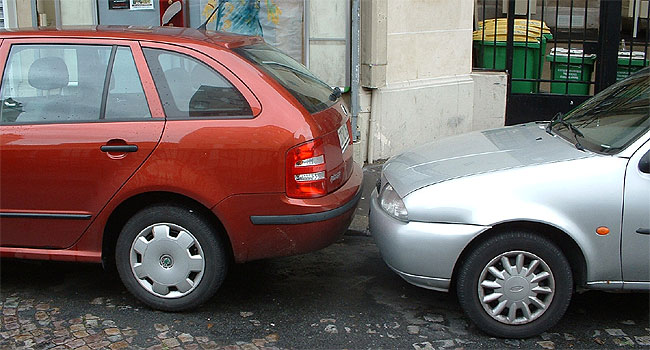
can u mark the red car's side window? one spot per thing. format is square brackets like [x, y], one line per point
[189, 88]
[71, 83]
[125, 98]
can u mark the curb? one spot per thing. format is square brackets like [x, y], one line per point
[359, 225]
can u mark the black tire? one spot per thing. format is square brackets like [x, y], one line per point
[196, 243]
[514, 245]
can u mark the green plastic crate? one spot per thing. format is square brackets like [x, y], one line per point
[627, 66]
[574, 68]
[525, 55]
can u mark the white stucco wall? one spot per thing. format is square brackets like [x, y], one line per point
[428, 39]
[430, 90]
[489, 100]
[412, 113]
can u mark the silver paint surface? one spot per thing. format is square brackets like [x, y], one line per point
[516, 174]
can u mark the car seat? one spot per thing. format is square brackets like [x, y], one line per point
[47, 74]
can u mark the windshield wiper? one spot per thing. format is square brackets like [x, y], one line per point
[549, 127]
[576, 133]
[336, 93]
[559, 119]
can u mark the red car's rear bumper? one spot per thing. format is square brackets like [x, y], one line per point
[269, 225]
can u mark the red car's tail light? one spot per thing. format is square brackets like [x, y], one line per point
[349, 123]
[306, 174]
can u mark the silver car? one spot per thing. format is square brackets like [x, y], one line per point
[515, 219]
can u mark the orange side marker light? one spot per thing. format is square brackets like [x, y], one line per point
[603, 231]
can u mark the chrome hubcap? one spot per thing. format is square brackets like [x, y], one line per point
[516, 287]
[167, 260]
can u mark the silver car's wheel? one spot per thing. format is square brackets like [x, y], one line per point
[514, 284]
[171, 257]
[516, 287]
[167, 260]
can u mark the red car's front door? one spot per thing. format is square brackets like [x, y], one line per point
[75, 125]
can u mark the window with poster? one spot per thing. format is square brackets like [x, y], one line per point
[315, 33]
[2, 15]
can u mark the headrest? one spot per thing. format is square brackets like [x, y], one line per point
[198, 75]
[48, 73]
[177, 76]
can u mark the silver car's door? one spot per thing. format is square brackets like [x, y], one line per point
[636, 221]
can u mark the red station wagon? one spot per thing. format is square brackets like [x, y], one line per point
[169, 152]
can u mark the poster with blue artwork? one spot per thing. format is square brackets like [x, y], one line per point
[279, 22]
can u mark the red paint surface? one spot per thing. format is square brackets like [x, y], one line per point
[235, 168]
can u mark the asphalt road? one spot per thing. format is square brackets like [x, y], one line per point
[341, 297]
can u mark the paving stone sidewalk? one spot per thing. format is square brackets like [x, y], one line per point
[341, 297]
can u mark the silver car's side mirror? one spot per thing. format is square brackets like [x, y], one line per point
[644, 163]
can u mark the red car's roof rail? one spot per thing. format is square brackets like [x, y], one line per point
[153, 33]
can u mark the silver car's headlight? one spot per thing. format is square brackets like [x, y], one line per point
[391, 202]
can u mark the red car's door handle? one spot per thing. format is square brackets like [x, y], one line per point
[119, 148]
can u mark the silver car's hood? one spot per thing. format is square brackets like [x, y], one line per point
[477, 153]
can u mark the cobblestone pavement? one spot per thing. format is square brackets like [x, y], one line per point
[341, 297]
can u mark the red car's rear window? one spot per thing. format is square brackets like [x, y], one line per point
[310, 91]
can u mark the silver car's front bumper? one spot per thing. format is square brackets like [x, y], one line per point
[422, 253]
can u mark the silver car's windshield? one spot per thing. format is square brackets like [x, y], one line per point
[613, 119]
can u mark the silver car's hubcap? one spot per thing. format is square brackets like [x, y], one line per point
[167, 260]
[516, 287]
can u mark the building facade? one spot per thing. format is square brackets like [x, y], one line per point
[415, 68]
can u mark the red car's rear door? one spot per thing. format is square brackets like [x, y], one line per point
[75, 125]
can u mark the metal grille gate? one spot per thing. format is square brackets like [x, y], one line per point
[591, 44]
